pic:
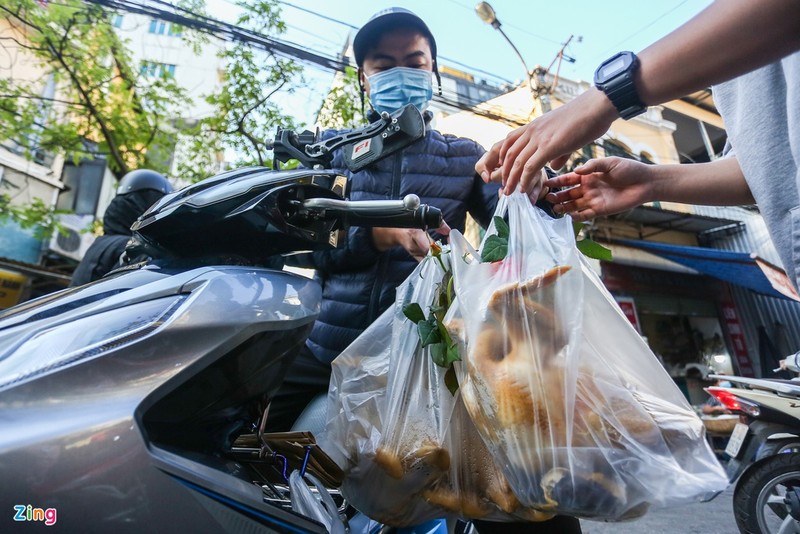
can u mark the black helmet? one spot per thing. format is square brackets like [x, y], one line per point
[143, 179]
[386, 20]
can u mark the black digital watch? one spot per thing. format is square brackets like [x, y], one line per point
[614, 77]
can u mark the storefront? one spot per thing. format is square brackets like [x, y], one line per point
[688, 321]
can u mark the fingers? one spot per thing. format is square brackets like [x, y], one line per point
[489, 162]
[565, 180]
[596, 165]
[444, 229]
[512, 161]
[560, 161]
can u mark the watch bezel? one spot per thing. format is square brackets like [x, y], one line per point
[619, 86]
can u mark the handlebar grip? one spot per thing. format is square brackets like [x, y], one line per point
[422, 217]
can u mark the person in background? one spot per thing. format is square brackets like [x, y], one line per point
[750, 46]
[137, 191]
[713, 406]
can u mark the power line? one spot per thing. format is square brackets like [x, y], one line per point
[223, 30]
[320, 15]
[233, 33]
[640, 30]
[353, 27]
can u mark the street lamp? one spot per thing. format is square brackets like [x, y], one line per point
[487, 15]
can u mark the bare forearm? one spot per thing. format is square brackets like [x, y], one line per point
[719, 183]
[727, 39]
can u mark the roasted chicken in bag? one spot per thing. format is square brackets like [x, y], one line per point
[566, 395]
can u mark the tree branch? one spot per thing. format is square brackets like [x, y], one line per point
[36, 97]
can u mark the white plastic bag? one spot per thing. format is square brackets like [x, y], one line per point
[388, 413]
[567, 396]
[407, 445]
[318, 506]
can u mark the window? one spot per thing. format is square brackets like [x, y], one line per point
[116, 21]
[84, 182]
[151, 69]
[160, 27]
[617, 149]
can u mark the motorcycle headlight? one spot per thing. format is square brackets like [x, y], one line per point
[67, 344]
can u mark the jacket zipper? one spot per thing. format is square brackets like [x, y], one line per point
[383, 263]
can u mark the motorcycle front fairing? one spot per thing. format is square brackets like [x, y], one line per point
[253, 214]
[108, 392]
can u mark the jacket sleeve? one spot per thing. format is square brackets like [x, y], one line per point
[357, 253]
[483, 197]
[483, 200]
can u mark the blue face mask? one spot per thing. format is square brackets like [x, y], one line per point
[393, 89]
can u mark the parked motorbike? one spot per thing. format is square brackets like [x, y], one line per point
[135, 403]
[764, 450]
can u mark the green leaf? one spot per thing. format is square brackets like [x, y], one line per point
[452, 354]
[592, 249]
[429, 331]
[501, 227]
[439, 354]
[494, 249]
[577, 227]
[451, 380]
[414, 312]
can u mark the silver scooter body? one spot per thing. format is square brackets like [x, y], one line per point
[120, 400]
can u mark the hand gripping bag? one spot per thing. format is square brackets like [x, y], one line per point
[569, 399]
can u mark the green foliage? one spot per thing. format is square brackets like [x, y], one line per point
[495, 248]
[245, 118]
[38, 216]
[588, 247]
[103, 104]
[342, 107]
[431, 330]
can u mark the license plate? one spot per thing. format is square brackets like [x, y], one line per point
[736, 440]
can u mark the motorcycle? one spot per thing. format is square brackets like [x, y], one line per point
[136, 403]
[764, 451]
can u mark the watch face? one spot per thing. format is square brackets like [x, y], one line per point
[613, 66]
[609, 70]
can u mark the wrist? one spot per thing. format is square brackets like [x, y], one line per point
[602, 106]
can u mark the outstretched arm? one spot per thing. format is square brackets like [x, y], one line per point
[728, 38]
[612, 185]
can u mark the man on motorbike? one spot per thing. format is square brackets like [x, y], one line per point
[396, 57]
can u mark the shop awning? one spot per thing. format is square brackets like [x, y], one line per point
[740, 268]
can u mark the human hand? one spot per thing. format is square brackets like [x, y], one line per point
[549, 138]
[601, 187]
[415, 241]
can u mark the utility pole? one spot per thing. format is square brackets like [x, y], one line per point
[559, 57]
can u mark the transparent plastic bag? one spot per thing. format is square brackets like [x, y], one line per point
[388, 412]
[567, 396]
[318, 506]
[408, 447]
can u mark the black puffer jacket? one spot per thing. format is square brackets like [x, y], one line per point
[358, 282]
[103, 255]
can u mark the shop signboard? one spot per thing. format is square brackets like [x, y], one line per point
[11, 286]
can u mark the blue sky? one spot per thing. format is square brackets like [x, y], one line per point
[537, 28]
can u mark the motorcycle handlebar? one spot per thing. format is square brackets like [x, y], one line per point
[406, 213]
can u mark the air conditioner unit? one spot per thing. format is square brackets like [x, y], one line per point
[74, 243]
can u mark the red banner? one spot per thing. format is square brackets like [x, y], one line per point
[736, 334]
